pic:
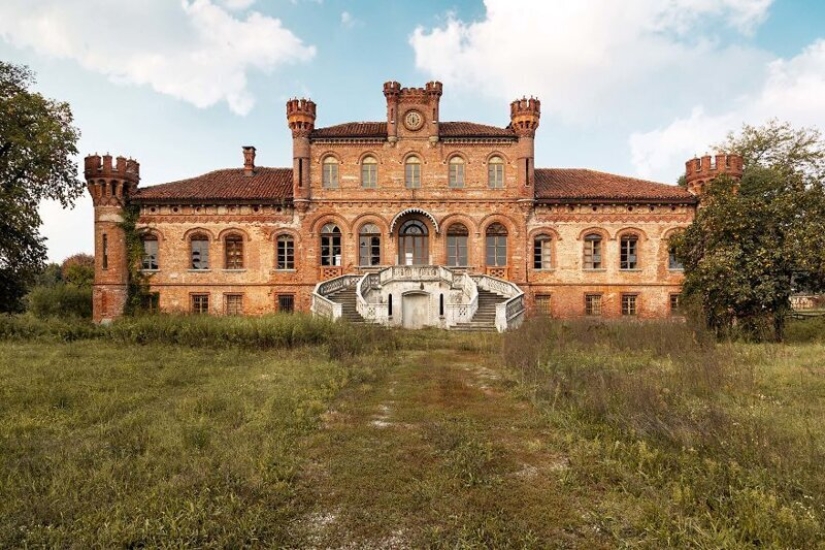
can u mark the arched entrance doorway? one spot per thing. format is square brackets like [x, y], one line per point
[413, 243]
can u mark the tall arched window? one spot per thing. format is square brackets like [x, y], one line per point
[413, 244]
[330, 245]
[593, 251]
[369, 245]
[412, 173]
[150, 252]
[456, 172]
[496, 245]
[199, 251]
[285, 252]
[369, 173]
[628, 252]
[330, 173]
[457, 245]
[543, 252]
[233, 252]
[495, 173]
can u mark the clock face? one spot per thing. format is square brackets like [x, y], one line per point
[413, 120]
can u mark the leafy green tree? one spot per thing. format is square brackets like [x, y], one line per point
[79, 270]
[37, 150]
[757, 241]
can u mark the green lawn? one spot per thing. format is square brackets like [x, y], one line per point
[547, 438]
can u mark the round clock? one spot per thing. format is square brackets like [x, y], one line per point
[413, 120]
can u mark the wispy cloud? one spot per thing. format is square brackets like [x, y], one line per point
[195, 50]
[347, 20]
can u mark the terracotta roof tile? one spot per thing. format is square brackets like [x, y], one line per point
[566, 184]
[471, 129]
[224, 185]
[352, 129]
[379, 130]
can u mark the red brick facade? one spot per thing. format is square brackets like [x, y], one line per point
[576, 241]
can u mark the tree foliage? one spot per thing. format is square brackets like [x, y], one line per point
[757, 241]
[37, 150]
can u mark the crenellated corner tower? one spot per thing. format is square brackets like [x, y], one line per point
[300, 114]
[110, 185]
[699, 172]
[524, 119]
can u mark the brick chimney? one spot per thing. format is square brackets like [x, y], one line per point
[248, 160]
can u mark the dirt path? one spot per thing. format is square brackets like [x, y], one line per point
[439, 453]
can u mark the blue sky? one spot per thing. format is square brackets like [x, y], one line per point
[634, 87]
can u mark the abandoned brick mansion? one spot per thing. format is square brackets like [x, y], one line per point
[410, 221]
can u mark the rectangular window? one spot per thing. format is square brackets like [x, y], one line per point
[593, 304]
[286, 253]
[150, 254]
[456, 175]
[330, 174]
[233, 304]
[497, 250]
[676, 304]
[412, 175]
[672, 261]
[543, 305]
[286, 303]
[105, 259]
[200, 253]
[542, 248]
[456, 250]
[629, 304]
[592, 252]
[627, 254]
[369, 175]
[234, 252]
[200, 303]
[150, 302]
[495, 174]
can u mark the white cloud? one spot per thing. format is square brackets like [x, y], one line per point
[194, 50]
[793, 90]
[590, 56]
[347, 20]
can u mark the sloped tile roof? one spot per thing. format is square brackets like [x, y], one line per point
[567, 184]
[379, 130]
[471, 129]
[352, 129]
[224, 185]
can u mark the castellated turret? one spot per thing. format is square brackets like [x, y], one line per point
[300, 114]
[110, 185]
[699, 172]
[524, 120]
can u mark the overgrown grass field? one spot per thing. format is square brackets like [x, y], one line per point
[293, 432]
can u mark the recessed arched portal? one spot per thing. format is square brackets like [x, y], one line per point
[413, 243]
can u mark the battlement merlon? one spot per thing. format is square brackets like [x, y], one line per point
[525, 115]
[102, 168]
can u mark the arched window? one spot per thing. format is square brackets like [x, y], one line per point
[330, 173]
[150, 252]
[233, 252]
[369, 173]
[593, 251]
[199, 251]
[496, 245]
[285, 252]
[413, 244]
[457, 245]
[369, 245]
[495, 173]
[330, 245]
[412, 173]
[543, 252]
[456, 172]
[628, 252]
